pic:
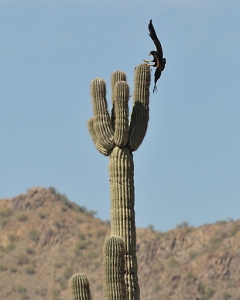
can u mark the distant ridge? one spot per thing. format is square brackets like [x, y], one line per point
[45, 238]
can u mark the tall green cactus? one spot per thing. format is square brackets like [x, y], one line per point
[117, 137]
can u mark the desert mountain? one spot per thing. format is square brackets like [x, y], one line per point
[45, 238]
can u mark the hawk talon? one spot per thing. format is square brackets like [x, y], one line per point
[148, 60]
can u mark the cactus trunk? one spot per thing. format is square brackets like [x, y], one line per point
[121, 171]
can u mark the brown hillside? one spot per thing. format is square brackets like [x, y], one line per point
[45, 238]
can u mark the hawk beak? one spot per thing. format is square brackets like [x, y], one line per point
[149, 54]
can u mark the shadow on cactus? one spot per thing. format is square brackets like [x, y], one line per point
[116, 136]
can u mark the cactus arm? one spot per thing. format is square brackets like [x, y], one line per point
[121, 170]
[102, 125]
[140, 112]
[121, 96]
[115, 77]
[79, 287]
[92, 132]
[113, 267]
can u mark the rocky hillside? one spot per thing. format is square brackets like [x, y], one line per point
[45, 238]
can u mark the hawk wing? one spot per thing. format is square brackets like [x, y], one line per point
[155, 39]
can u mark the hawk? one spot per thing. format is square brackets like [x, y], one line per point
[159, 61]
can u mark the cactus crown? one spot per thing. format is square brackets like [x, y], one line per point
[116, 130]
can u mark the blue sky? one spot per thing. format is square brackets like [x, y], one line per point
[188, 167]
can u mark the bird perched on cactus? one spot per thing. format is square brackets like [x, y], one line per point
[159, 61]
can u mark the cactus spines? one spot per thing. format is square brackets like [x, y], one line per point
[102, 121]
[140, 112]
[79, 287]
[117, 76]
[93, 134]
[121, 97]
[114, 266]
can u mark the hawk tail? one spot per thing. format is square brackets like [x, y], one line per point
[152, 32]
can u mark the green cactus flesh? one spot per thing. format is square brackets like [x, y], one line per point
[114, 266]
[79, 287]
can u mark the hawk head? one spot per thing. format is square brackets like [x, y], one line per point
[152, 53]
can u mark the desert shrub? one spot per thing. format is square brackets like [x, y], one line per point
[192, 254]
[214, 243]
[12, 238]
[79, 220]
[234, 231]
[30, 270]
[209, 292]
[226, 295]
[22, 260]
[30, 251]
[13, 269]
[81, 235]
[6, 212]
[57, 224]
[184, 225]
[201, 288]
[33, 235]
[206, 293]
[82, 244]
[53, 190]
[101, 233]
[65, 200]
[22, 218]
[221, 222]
[173, 263]
[3, 268]
[41, 292]
[9, 247]
[224, 235]
[57, 265]
[4, 222]
[42, 215]
[91, 213]
[189, 275]
[20, 289]
[150, 227]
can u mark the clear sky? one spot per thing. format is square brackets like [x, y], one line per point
[188, 167]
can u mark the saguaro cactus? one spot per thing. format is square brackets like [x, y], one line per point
[117, 137]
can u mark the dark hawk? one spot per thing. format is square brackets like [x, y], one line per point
[159, 61]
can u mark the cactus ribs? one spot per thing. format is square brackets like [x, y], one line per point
[159, 61]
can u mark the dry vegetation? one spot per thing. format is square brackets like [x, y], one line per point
[45, 238]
